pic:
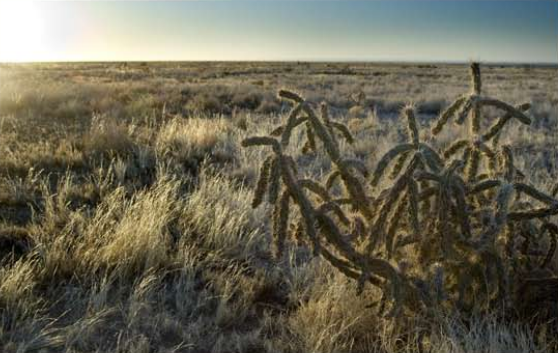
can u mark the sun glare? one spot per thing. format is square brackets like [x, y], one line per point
[21, 31]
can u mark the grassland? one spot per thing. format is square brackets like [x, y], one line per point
[125, 207]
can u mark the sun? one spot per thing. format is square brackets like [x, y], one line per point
[21, 31]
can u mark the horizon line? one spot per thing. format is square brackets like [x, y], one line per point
[302, 60]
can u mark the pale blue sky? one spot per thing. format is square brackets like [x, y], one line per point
[491, 31]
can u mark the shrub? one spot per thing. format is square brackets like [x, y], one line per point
[458, 228]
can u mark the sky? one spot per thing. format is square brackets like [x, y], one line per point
[374, 30]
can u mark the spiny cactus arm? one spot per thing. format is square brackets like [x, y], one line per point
[487, 151]
[412, 125]
[399, 164]
[262, 141]
[476, 78]
[393, 226]
[473, 163]
[336, 209]
[343, 201]
[262, 183]
[512, 111]
[378, 229]
[281, 224]
[373, 266]
[431, 157]
[325, 118]
[304, 205]
[292, 122]
[387, 158]
[310, 144]
[503, 199]
[455, 147]
[413, 192]
[490, 155]
[422, 175]
[290, 95]
[536, 194]
[477, 85]
[346, 268]
[485, 242]
[505, 158]
[274, 181]
[447, 114]
[344, 130]
[277, 131]
[459, 192]
[552, 230]
[357, 192]
[501, 122]
[427, 192]
[322, 133]
[469, 104]
[331, 178]
[316, 188]
[533, 213]
[484, 185]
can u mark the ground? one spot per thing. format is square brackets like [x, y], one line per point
[125, 217]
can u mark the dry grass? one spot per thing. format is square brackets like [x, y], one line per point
[125, 207]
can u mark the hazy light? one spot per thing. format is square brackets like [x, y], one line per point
[21, 31]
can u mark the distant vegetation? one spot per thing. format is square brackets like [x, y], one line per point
[409, 212]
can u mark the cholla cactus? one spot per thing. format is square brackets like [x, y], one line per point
[474, 235]
[469, 107]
